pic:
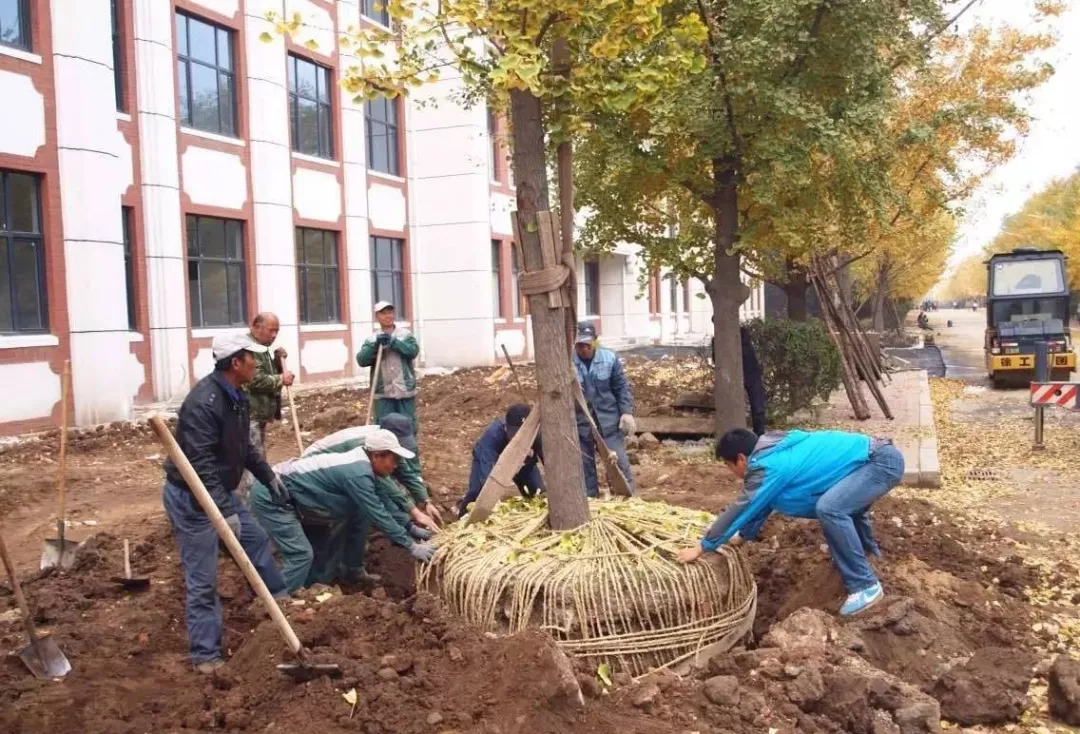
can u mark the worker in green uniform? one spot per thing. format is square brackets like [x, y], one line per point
[395, 385]
[321, 534]
[406, 475]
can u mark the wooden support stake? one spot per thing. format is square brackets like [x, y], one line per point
[551, 253]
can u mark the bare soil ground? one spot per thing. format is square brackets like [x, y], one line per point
[956, 586]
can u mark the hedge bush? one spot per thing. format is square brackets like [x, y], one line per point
[799, 364]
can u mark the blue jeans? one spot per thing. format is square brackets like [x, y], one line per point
[198, 544]
[843, 514]
[617, 443]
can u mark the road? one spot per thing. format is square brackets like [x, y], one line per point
[962, 343]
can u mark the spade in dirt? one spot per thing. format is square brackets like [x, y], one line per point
[58, 551]
[127, 580]
[42, 656]
[303, 669]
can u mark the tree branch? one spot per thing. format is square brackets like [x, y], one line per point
[941, 29]
[815, 28]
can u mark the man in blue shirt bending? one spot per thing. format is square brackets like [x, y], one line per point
[829, 475]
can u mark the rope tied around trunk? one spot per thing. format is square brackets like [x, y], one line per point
[540, 282]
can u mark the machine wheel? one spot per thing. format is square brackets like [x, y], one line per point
[998, 382]
[1060, 375]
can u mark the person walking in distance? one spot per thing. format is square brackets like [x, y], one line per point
[214, 431]
[395, 385]
[607, 394]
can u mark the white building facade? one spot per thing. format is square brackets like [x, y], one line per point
[165, 174]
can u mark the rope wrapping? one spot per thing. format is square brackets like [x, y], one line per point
[609, 592]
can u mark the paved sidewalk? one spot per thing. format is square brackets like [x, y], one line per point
[912, 428]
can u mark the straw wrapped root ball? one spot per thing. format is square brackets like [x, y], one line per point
[609, 591]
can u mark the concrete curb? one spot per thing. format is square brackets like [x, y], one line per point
[922, 467]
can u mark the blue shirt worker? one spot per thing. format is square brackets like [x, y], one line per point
[489, 447]
[214, 432]
[607, 393]
[334, 500]
[829, 475]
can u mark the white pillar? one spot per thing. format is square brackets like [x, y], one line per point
[166, 262]
[105, 376]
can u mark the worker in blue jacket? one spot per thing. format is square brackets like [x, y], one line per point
[829, 475]
[489, 447]
[607, 393]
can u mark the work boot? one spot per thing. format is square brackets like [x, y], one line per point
[208, 667]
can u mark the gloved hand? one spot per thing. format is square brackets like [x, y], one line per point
[279, 493]
[233, 521]
[422, 552]
[383, 339]
[627, 424]
[418, 532]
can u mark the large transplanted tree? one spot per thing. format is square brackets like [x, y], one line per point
[552, 63]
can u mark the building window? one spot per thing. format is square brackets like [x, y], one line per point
[516, 299]
[310, 108]
[496, 280]
[592, 287]
[387, 272]
[126, 214]
[204, 59]
[118, 55]
[381, 118]
[15, 23]
[377, 11]
[493, 139]
[317, 275]
[686, 295]
[654, 292]
[673, 291]
[22, 255]
[216, 276]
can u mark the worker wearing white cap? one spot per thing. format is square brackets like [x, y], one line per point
[213, 430]
[393, 348]
[334, 501]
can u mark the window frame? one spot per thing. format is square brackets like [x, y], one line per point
[381, 17]
[26, 28]
[498, 303]
[331, 274]
[398, 295]
[196, 297]
[592, 266]
[127, 214]
[323, 75]
[119, 57]
[686, 295]
[394, 127]
[184, 66]
[8, 236]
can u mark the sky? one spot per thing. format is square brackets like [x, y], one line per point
[1051, 149]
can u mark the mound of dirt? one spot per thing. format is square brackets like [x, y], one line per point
[989, 688]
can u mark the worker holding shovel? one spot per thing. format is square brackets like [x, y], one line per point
[264, 390]
[390, 352]
[214, 431]
[832, 476]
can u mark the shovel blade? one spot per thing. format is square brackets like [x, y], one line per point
[132, 584]
[303, 672]
[60, 553]
[45, 659]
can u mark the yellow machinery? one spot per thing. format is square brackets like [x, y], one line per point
[1027, 301]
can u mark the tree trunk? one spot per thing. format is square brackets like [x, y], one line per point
[795, 289]
[558, 428]
[727, 292]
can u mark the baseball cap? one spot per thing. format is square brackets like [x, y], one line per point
[401, 426]
[226, 345]
[384, 440]
[382, 306]
[515, 417]
[586, 332]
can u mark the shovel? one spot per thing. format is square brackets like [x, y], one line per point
[42, 656]
[129, 583]
[374, 381]
[303, 669]
[57, 551]
[292, 412]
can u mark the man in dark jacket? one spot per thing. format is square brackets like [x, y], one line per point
[213, 430]
[489, 447]
[755, 388]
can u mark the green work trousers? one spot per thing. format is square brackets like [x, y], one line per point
[405, 406]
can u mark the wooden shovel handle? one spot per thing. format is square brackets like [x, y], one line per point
[16, 588]
[292, 412]
[374, 381]
[224, 531]
[61, 471]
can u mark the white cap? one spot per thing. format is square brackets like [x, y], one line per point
[384, 440]
[382, 306]
[226, 345]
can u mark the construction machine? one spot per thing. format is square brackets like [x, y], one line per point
[1027, 301]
